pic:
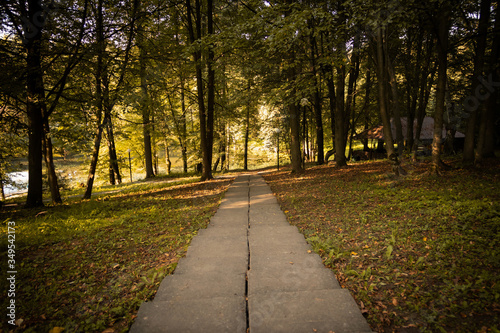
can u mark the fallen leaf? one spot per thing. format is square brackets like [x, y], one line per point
[56, 329]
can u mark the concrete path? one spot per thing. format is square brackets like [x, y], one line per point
[250, 271]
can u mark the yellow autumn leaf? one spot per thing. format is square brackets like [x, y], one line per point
[425, 239]
[56, 329]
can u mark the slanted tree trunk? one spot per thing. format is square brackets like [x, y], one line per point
[94, 159]
[114, 170]
[100, 46]
[49, 163]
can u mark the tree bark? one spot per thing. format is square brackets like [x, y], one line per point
[49, 163]
[396, 112]
[210, 96]
[425, 85]
[183, 129]
[293, 109]
[340, 117]
[247, 134]
[146, 120]
[100, 47]
[470, 134]
[365, 108]
[382, 84]
[486, 137]
[443, 27]
[35, 104]
[113, 158]
[318, 112]
[167, 157]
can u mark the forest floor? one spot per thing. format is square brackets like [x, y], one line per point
[87, 265]
[418, 253]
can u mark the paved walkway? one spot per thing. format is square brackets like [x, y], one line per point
[250, 271]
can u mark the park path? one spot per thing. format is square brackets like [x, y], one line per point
[250, 271]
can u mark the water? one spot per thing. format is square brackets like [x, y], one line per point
[19, 183]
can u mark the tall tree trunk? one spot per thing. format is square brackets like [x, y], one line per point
[396, 109]
[365, 108]
[292, 107]
[100, 48]
[333, 102]
[210, 95]
[247, 134]
[382, 85]
[340, 143]
[35, 104]
[183, 129]
[485, 146]
[49, 163]
[146, 121]
[489, 140]
[318, 112]
[443, 27]
[351, 91]
[340, 117]
[470, 134]
[425, 86]
[412, 85]
[204, 142]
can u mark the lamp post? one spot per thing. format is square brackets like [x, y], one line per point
[129, 164]
[278, 147]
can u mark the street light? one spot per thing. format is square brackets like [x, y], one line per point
[129, 164]
[278, 147]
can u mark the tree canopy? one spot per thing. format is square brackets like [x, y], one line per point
[217, 82]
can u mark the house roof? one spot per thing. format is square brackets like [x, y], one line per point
[377, 133]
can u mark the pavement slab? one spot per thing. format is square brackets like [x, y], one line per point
[250, 271]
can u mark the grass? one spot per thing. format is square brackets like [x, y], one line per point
[87, 265]
[419, 254]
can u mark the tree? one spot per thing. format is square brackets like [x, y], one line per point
[443, 23]
[105, 99]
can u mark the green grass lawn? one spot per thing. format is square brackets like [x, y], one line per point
[87, 265]
[418, 253]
